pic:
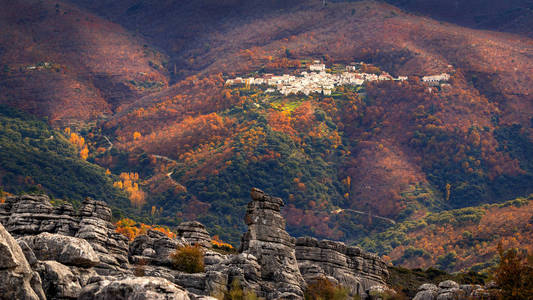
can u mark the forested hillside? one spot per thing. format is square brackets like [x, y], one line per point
[143, 83]
[36, 158]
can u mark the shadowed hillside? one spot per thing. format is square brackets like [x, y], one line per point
[63, 63]
[510, 16]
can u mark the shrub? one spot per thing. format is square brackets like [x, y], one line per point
[325, 290]
[188, 259]
[222, 247]
[237, 293]
[514, 274]
[139, 269]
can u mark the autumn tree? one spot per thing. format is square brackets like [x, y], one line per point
[514, 274]
[129, 183]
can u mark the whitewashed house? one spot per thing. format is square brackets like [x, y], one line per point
[436, 78]
[317, 66]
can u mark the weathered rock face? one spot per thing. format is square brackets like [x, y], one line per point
[451, 290]
[349, 266]
[154, 248]
[134, 288]
[32, 215]
[58, 280]
[242, 268]
[195, 233]
[64, 249]
[267, 240]
[67, 254]
[17, 280]
[96, 228]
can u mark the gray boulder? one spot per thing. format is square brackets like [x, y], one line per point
[448, 284]
[58, 280]
[154, 247]
[195, 233]
[426, 295]
[17, 280]
[451, 294]
[138, 288]
[64, 249]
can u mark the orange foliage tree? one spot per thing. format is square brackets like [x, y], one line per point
[79, 142]
[132, 229]
[129, 183]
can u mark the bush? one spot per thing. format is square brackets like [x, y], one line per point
[139, 269]
[325, 290]
[237, 293]
[514, 274]
[188, 259]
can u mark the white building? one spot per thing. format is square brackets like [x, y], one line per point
[436, 78]
[318, 81]
[317, 66]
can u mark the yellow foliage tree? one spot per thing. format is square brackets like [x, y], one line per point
[84, 152]
[79, 142]
[128, 183]
[136, 135]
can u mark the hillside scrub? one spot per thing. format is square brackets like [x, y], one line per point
[188, 259]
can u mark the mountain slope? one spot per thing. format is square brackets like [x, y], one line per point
[69, 65]
[395, 150]
[508, 16]
[399, 132]
[35, 157]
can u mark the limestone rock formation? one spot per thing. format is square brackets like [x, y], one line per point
[64, 249]
[267, 240]
[58, 281]
[96, 228]
[242, 268]
[195, 233]
[154, 247]
[34, 214]
[67, 254]
[451, 290]
[17, 280]
[349, 266]
[134, 288]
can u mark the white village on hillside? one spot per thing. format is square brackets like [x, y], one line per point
[317, 80]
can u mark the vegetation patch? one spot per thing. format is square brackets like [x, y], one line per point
[188, 259]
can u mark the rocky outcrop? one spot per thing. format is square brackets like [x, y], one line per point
[242, 269]
[64, 249]
[134, 288]
[17, 280]
[153, 248]
[451, 290]
[34, 214]
[68, 254]
[349, 266]
[58, 281]
[195, 233]
[267, 240]
[95, 227]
